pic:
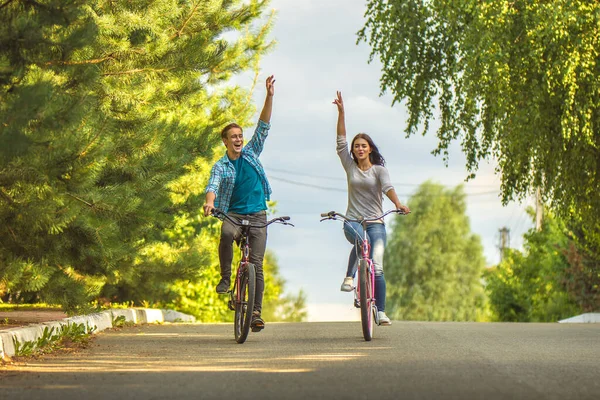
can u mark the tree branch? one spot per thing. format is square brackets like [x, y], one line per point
[81, 200]
[6, 196]
[94, 61]
[84, 151]
[180, 30]
[5, 4]
[135, 71]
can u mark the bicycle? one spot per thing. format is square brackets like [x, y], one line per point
[241, 297]
[364, 292]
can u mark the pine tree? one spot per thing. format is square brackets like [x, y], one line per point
[107, 107]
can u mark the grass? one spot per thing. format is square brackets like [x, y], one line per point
[29, 307]
[52, 340]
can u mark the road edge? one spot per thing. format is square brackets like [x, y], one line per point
[95, 323]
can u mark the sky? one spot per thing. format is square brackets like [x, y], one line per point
[316, 54]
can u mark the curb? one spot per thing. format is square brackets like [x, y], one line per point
[583, 318]
[97, 321]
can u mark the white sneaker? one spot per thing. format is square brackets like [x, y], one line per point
[383, 319]
[347, 285]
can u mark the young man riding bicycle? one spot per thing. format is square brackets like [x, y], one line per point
[239, 187]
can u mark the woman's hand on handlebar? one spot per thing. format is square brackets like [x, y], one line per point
[403, 208]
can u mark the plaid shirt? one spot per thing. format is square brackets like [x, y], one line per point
[222, 174]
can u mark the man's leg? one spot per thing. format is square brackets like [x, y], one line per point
[229, 233]
[258, 245]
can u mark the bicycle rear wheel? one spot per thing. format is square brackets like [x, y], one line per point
[245, 304]
[366, 298]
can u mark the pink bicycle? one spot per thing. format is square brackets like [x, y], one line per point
[364, 292]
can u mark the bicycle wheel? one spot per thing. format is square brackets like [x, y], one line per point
[245, 304]
[366, 296]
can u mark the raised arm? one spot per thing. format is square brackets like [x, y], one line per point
[257, 141]
[341, 123]
[265, 114]
[341, 145]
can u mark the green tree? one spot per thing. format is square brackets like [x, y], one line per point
[544, 283]
[279, 306]
[433, 263]
[109, 109]
[514, 80]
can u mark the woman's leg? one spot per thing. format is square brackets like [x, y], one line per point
[352, 237]
[378, 239]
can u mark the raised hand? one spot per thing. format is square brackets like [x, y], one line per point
[271, 85]
[341, 124]
[339, 102]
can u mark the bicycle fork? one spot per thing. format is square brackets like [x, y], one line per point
[235, 294]
[370, 296]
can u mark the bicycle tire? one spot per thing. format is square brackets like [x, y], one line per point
[365, 297]
[245, 305]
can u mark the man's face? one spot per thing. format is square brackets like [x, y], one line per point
[234, 141]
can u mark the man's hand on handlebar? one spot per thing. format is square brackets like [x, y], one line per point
[208, 208]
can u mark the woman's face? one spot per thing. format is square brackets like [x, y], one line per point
[361, 149]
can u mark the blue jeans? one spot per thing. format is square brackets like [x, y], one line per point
[377, 239]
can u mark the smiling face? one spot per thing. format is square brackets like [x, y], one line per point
[234, 142]
[361, 149]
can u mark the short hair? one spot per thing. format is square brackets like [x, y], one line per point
[228, 127]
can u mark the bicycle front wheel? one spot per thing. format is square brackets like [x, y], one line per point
[245, 304]
[366, 298]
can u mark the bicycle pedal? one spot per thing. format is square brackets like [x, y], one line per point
[230, 305]
[356, 303]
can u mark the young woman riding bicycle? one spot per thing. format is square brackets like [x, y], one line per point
[367, 180]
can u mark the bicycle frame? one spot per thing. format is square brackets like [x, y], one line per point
[245, 277]
[365, 255]
[236, 295]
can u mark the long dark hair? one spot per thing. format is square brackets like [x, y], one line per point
[375, 156]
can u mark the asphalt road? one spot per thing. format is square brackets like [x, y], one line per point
[408, 360]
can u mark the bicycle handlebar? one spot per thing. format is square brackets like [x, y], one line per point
[334, 214]
[215, 212]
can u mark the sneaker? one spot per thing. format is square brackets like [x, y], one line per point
[347, 285]
[383, 319]
[257, 324]
[223, 286]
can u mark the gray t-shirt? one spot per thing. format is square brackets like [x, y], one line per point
[365, 188]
